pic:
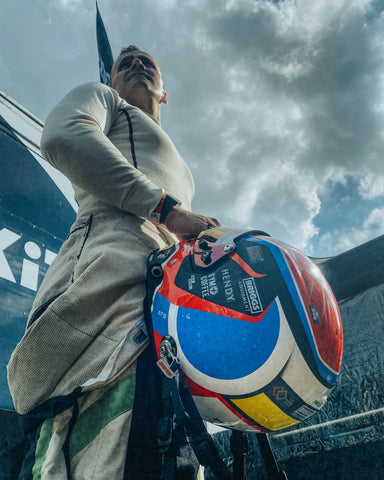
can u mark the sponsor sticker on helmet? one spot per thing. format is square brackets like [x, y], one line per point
[251, 295]
[315, 314]
[209, 285]
[227, 283]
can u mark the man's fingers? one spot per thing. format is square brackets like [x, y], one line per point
[212, 223]
[183, 222]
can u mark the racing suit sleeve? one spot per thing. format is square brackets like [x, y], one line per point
[75, 142]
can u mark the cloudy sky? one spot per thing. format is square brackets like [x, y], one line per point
[277, 106]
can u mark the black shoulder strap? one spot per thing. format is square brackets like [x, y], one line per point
[239, 448]
[269, 459]
[144, 459]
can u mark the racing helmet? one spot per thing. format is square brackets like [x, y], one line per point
[254, 324]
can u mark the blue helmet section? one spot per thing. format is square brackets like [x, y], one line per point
[206, 338]
[35, 218]
[250, 343]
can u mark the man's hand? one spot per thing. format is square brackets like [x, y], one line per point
[186, 224]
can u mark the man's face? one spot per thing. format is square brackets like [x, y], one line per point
[135, 74]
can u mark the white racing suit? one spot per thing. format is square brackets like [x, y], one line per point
[85, 328]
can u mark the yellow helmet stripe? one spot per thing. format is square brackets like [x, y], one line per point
[263, 411]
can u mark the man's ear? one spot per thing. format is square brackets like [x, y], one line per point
[164, 97]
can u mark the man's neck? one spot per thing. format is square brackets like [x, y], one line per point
[148, 106]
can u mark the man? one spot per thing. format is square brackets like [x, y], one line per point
[76, 360]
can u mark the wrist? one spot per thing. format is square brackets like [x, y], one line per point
[163, 208]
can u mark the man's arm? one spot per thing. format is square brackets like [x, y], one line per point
[74, 141]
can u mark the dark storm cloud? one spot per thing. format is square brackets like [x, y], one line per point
[270, 102]
[300, 89]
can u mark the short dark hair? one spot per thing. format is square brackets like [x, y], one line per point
[130, 48]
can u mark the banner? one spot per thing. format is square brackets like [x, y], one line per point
[104, 49]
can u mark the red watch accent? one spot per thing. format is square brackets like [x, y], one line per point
[160, 205]
[163, 208]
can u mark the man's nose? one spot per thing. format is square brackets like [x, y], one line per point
[137, 63]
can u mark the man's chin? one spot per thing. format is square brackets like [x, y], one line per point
[133, 90]
[137, 77]
[140, 81]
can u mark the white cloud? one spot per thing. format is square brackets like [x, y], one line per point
[304, 88]
[372, 226]
[371, 186]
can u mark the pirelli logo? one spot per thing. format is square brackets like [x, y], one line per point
[253, 298]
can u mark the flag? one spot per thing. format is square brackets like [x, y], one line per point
[104, 49]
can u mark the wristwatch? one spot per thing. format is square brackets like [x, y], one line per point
[165, 205]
